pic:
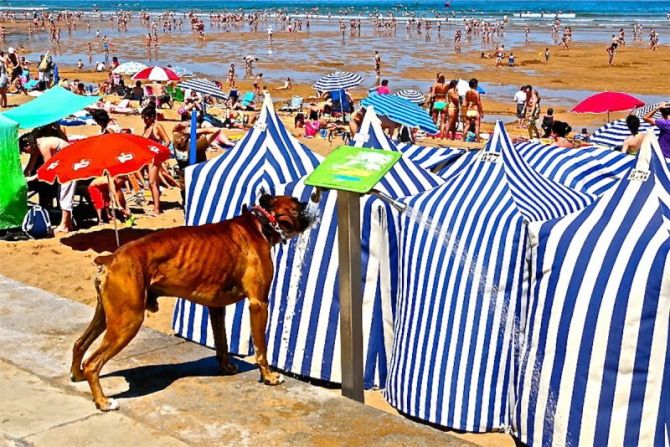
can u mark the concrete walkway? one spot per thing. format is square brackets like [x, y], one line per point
[169, 390]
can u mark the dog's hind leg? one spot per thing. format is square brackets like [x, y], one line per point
[217, 316]
[123, 323]
[95, 328]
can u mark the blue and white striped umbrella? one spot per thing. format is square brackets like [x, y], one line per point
[265, 158]
[338, 80]
[204, 87]
[615, 133]
[462, 268]
[401, 111]
[414, 96]
[589, 169]
[594, 350]
[641, 112]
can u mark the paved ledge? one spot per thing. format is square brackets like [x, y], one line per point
[170, 392]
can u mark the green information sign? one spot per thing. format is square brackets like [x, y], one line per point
[353, 169]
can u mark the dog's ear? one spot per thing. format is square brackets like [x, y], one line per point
[245, 208]
[266, 201]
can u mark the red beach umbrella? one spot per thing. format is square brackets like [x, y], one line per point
[156, 74]
[108, 154]
[607, 102]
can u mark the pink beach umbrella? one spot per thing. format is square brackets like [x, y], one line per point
[156, 74]
[608, 102]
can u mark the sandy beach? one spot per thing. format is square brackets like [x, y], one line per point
[63, 265]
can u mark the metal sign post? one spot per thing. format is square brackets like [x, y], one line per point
[351, 301]
[351, 171]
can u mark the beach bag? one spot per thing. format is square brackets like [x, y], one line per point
[37, 223]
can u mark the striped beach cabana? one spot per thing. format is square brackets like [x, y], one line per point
[613, 134]
[589, 169]
[463, 250]
[372, 135]
[303, 331]
[266, 157]
[594, 347]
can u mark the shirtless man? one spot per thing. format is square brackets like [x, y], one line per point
[41, 150]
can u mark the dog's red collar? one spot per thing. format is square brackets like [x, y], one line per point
[269, 225]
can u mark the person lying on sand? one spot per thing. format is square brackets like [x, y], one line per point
[288, 84]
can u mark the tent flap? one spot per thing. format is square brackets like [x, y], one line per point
[12, 182]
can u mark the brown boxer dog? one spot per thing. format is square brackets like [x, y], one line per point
[213, 265]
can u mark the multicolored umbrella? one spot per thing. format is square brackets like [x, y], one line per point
[129, 68]
[337, 81]
[414, 96]
[157, 74]
[401, 111]
[606, 102]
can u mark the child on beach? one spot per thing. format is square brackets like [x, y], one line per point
[546, 55]
[547, 122]
[101, 196]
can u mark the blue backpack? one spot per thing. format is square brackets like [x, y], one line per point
[37, 223]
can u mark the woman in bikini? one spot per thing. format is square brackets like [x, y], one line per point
[452, 109]
[439, 100]
[473, 107]
[154, 132]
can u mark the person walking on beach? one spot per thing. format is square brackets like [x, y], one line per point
[520, 100]
[534, 115]
[154, 132]
[231, 76]
[664, 126]
[546, 55]
[453, 102]
[378, 66]
[611, 50]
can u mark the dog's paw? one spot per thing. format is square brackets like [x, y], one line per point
[109, 405]
[273, 379]
[228, 369]
[77, 377]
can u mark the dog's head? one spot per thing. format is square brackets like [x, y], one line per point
[292, 215]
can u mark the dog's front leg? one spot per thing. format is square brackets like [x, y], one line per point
[259, 319]
[217, 316]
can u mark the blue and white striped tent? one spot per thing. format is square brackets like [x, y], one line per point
[266, 157]
[595, 343]
[434, 159]
[590, 169]
[303, 332]
[463, 269]
[372, 135]
[615, 133]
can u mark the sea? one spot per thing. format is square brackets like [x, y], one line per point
[579, 11]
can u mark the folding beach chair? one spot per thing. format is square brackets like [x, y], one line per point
[295, 105]
[178, 95]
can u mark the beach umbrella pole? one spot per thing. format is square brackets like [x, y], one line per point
[112, 202]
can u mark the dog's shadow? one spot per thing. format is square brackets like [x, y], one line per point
[149, 379]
